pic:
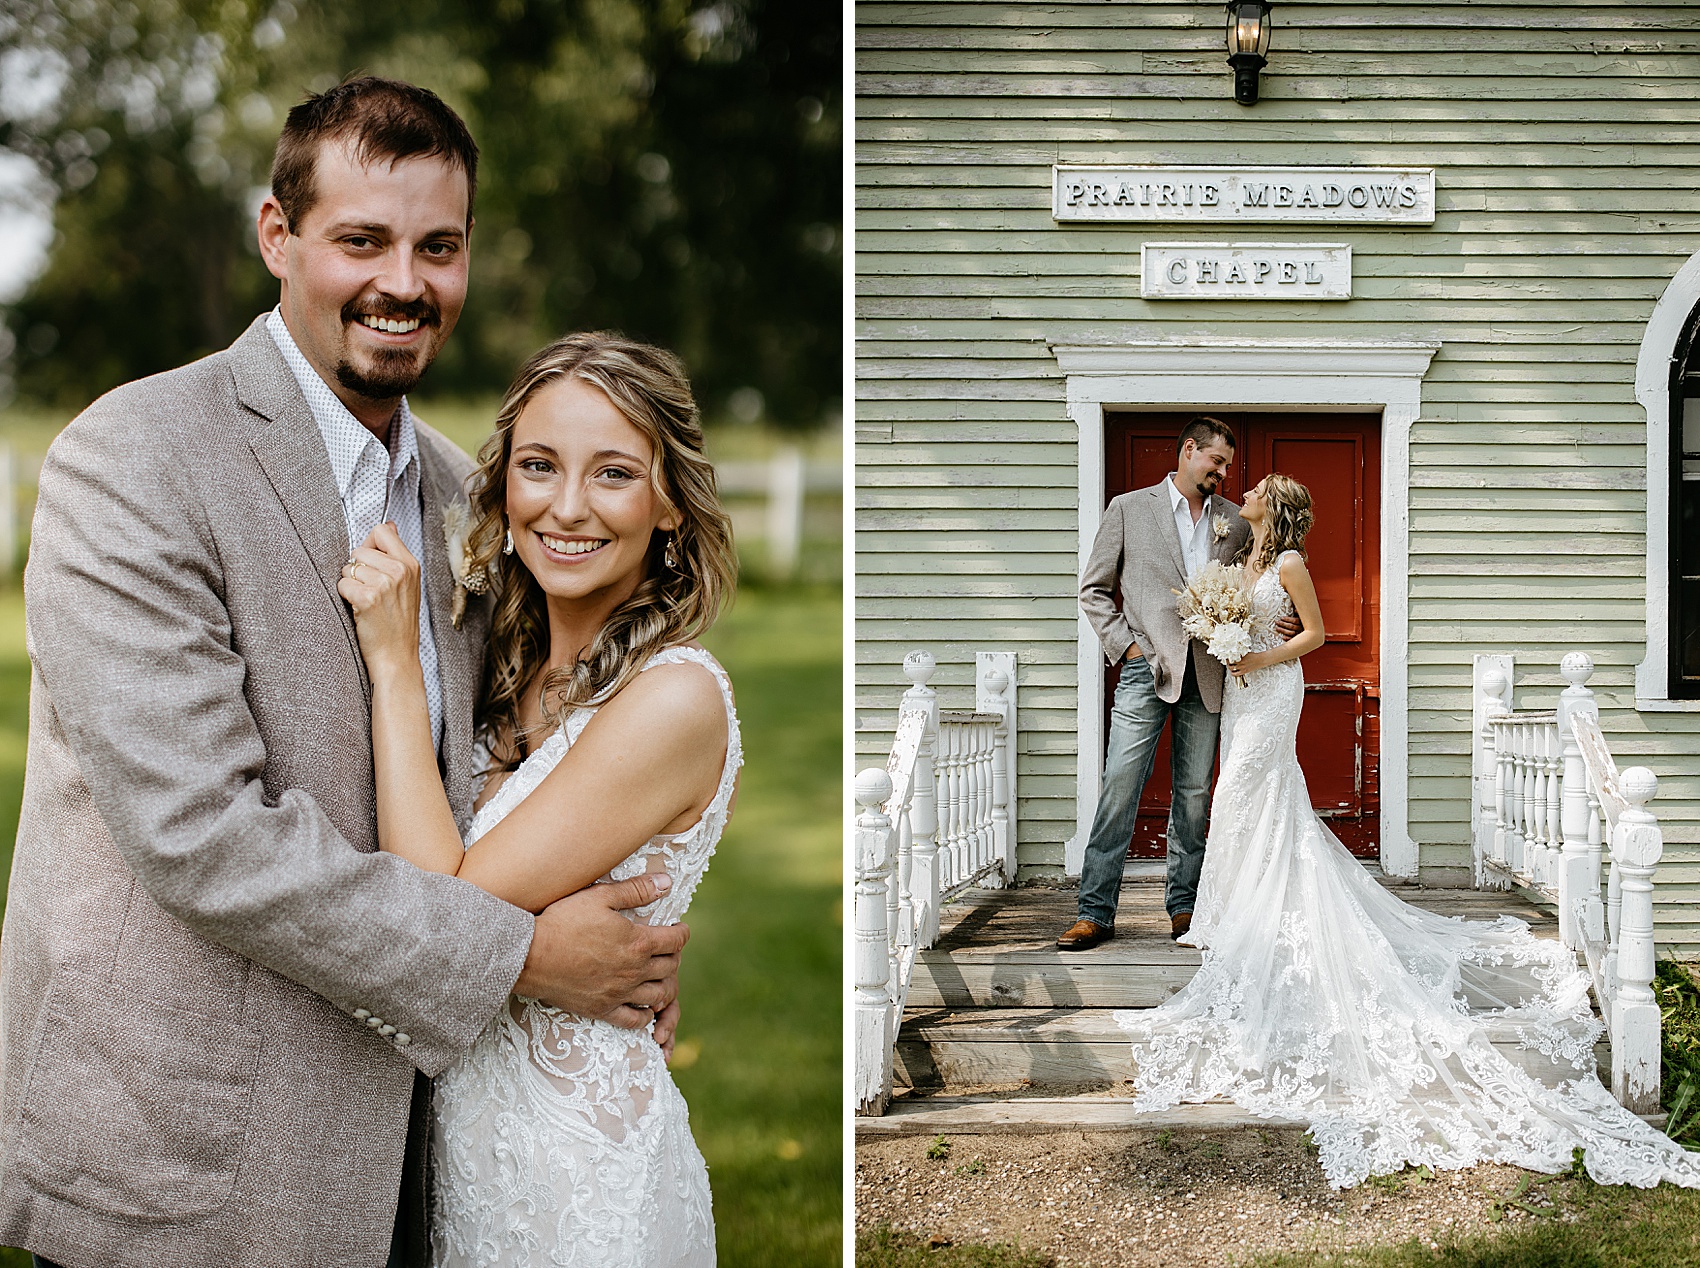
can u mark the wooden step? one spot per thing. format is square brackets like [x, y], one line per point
[1069, 1048]
[1124, 973]
[967, 1116]
[1034, 1115]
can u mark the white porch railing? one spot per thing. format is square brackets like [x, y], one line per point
[937, 820]
[1550, 802]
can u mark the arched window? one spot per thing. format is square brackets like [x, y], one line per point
[1685, 512]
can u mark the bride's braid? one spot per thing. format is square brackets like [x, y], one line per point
[675, 602]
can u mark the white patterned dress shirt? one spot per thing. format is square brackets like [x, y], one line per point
[370, 478]
[1195, 538]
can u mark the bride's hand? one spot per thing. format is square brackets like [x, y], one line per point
[1247, 663]
[380, 582]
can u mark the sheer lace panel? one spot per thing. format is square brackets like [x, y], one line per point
[562, 1140]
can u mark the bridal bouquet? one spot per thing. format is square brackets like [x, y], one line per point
[1215, 609]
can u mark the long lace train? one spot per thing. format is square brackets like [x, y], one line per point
[1325, 998]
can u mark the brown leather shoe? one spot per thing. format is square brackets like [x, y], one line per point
[1179, 923]
[1082, 935]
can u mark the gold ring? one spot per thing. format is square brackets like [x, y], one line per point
[354, 569]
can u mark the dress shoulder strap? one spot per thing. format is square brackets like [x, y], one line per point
[734, 738]
[695, 656]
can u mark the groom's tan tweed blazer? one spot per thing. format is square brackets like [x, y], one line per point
[197, 910]
[1139, 549]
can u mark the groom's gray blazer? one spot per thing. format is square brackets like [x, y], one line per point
[1139, 549]
[208, 972]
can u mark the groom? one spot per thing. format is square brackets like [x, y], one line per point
[1151, 543]
[218, 1001]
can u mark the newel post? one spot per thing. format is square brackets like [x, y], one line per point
[918, 667]
[1578, 880]
[994, 690]
[873, 942]
[1636, 846]
[1493, 675]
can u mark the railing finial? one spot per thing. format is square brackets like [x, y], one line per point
[1638, 786]
[1576, 668]
[1495, 684]
[873, 788]
[918, 667]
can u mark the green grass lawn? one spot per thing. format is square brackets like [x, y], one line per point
[759, 1047]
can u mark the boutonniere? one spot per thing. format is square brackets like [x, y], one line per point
[1219, 527]
[469, 578]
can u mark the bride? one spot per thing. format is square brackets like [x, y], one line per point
[1325, 998]
[613, 750]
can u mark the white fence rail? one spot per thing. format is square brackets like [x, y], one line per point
[782, 482]
[1550, 806]
[938, 820]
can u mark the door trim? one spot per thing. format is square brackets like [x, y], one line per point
[1334, 375]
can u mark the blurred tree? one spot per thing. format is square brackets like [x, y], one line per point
[670, 168]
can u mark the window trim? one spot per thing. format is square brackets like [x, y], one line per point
[1669, 322]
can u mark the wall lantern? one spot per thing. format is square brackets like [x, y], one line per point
[1248, 41]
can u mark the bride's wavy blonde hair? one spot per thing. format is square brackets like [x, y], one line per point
[674, 603]
[1290, 519]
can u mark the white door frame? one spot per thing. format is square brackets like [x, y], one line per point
[1205, 374]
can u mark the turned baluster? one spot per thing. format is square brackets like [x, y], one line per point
[1503, 830]
[1534, 800]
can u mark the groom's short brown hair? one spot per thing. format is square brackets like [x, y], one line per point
[384, 119]
[1202, 430]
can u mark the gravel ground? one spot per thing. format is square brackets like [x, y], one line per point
[1184, 1198]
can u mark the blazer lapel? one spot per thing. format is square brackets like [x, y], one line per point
[1220, 548]
[1164, 511]
[292, 453]
[455, 659]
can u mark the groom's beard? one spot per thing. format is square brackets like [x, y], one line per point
[394, 371]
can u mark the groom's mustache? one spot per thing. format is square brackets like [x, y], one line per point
[426, 313]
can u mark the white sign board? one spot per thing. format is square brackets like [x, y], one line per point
[1244, 195]
[1245, 270]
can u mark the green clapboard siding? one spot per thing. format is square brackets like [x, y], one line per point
[1566, 143]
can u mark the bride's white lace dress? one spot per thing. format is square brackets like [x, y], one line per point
[560, 1140]
[1325, 998]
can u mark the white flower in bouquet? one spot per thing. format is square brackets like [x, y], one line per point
[1229, 643]
[1216, 610]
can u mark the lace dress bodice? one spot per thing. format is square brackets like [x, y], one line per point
[1324, 997]
[562, 1140]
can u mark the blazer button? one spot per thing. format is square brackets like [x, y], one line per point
[374, 1022]
[386, 1031]
[403, 1039]
[360, 1014]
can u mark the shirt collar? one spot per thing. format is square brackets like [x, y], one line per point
[346, 437]
[1176, 497]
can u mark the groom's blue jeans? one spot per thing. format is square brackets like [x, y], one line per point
[1136, 724]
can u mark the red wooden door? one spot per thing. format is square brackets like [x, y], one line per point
[1338, 458]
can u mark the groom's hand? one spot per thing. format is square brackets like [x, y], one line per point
[1289, 627]
[587, 958]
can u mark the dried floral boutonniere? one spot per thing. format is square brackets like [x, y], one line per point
[1219, 527]
[469, 578]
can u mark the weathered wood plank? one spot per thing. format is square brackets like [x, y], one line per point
[919, 1115]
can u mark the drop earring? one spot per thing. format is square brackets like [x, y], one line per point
[667, 555]
[508, 546]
